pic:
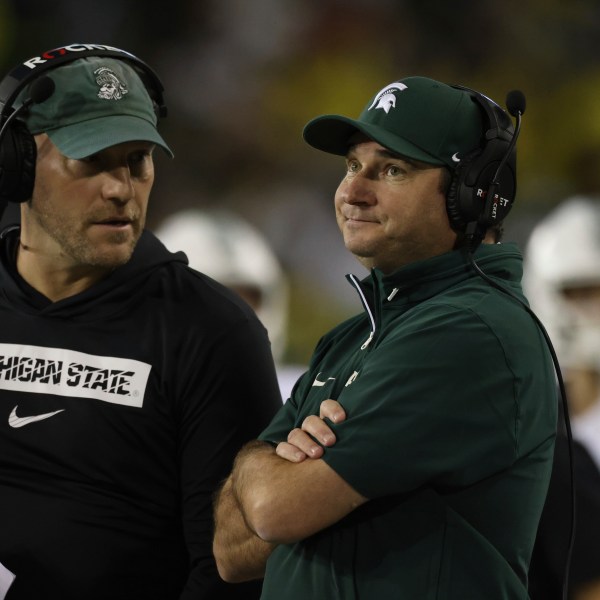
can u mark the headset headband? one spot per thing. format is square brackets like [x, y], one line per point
[30, 69]
[493, 111]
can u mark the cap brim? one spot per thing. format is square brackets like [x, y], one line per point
[83, 139]
[332, 133]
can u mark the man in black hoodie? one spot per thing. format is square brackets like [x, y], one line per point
[128, 381]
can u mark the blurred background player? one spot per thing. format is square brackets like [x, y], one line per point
[227, 248]
[562, 281]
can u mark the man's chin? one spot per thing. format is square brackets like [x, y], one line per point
[112, 257]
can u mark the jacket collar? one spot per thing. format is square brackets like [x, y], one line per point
[426, 278]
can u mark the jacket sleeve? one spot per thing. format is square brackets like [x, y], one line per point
[446, 401]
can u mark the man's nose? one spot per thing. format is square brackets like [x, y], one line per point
[118, 185]
[357, 189]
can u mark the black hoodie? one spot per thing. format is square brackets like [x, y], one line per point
[121, 410]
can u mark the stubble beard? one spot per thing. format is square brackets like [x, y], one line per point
[114, 251]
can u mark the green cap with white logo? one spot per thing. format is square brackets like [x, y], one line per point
[417, 117]
[97, 102]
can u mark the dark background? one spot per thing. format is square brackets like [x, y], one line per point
[243, 76]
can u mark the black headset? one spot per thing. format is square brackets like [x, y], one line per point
[17, 147]
[484, 183]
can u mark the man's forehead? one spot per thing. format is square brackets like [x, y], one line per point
[126, 147]
[359, 138]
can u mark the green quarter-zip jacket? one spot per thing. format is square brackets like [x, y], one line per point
[450, 397]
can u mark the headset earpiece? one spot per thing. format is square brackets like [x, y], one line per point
[18, 154]
[478, 193]
[17, 146]
[455, 209]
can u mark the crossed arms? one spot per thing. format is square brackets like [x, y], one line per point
[279, 495]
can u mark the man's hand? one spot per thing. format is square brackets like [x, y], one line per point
[301, 443]
[285, 501]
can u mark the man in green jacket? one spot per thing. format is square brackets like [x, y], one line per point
[413, 458]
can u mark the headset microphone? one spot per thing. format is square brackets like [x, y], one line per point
[41, 90]
[515, 103]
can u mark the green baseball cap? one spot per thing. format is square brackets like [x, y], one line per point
[97, 102]
[416, 117]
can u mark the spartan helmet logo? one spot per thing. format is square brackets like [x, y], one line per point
[111, 88]
[386, 99]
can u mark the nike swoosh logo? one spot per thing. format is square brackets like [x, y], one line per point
[15, 421]
[318, 383]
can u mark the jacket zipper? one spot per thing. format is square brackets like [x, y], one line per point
[355, 282]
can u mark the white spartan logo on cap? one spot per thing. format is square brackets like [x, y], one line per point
[111, 87]
[385, 99]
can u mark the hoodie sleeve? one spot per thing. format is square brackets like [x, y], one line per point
[228, 395]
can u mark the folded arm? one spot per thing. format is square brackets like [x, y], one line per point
[283, 501]
[240, 554]
[276, 496]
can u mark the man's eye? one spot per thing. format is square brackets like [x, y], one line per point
[138, 157]
[394, 171]
[140, 160]
[352, 166]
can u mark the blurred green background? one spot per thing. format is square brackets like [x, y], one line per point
[242, 77]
